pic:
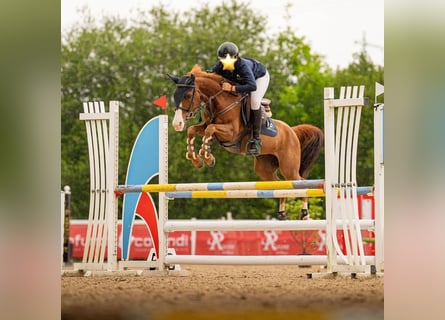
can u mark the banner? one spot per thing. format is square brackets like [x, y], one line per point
[267, 242]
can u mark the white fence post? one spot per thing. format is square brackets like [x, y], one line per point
[112, 181]
[379, 176]
[342, 122]
[163, 201]
[103, 148]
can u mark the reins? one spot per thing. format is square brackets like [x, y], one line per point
[213, 115]
[210, 103]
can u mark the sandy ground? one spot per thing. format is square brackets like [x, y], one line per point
[223, 292]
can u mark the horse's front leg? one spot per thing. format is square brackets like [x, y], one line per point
[224, 132]
[206, 151]
[191, 155]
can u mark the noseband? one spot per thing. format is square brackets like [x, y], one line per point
[189, 110]
[190, 113]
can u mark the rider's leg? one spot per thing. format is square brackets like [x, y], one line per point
[261, 87]
[255, 104]
[253, 147]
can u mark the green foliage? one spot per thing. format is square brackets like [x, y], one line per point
[128, 61]
[315, 207]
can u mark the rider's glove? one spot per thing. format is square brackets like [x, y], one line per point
[228, 87]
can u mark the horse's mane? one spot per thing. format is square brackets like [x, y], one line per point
[199, 72]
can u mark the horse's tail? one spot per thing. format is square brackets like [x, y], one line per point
[311, 141]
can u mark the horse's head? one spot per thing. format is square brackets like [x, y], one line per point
[187, 99]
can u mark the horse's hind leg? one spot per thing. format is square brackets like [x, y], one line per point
[266, 167]
[304, 214]
[281, 215]
[290, 173]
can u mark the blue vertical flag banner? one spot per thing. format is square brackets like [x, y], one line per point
[142, 168]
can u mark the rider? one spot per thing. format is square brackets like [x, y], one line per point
[249, 75]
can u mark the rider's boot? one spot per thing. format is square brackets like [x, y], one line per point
[254, 145]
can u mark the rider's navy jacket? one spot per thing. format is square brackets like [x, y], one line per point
[246, 71]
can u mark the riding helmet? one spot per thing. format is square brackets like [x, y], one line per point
[228, 48]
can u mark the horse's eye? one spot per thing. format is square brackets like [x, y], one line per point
[187, 96]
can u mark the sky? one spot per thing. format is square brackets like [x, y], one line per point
[334, 29]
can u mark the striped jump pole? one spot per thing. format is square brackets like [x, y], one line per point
[249, 194]
[247, 185]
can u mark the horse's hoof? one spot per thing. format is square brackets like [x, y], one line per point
[281, 215]
[211, 162]
[198, 163]
[304, 214]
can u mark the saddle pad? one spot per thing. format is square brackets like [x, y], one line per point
[269, 128]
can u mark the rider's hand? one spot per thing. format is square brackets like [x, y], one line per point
[228, 87]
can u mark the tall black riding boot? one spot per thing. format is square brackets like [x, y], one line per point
[253, 147]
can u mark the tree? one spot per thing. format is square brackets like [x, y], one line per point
[124, 61]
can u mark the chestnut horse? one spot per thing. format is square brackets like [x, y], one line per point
[291, 153]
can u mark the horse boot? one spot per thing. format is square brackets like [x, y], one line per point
[253, 147]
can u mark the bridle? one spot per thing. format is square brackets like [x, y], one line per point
[190, 113]
[206, 101]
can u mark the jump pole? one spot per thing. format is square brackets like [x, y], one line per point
[250, 194]
[215, 186]
[253, 225]
[254, 260]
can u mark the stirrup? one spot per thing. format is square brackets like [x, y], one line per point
[253, 147]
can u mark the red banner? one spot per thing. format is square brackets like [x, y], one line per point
[252, 243]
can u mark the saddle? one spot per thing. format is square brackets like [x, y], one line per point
[266, 104]
[268, 126]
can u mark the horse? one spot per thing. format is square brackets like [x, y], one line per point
[291, 152]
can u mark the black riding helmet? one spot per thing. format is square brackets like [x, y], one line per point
[228, 48]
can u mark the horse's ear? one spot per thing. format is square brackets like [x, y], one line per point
[175, 79]
[190, 80]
